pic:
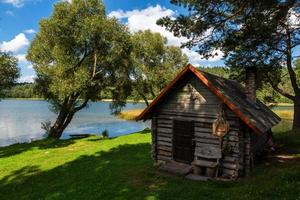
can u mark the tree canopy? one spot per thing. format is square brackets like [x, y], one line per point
[9, 71]
[251, 34]
[155, 64]
[77, 53]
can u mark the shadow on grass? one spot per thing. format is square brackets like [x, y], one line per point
[288, 142]
[127, 172]
[40, 144]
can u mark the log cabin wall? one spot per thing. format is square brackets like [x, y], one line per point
[194, 101]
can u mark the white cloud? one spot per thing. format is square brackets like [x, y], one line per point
[30, 31]
[21, 58]
[19, 42]
[195, 58]
[9, 12]
[16, 3]
[27, 79]
[29, 66]
[146, 19]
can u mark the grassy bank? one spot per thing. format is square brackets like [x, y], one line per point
[121, 168]
[130, 114]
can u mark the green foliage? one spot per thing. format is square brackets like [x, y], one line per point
[259, 34]
[77, 54]
[9, 71]
[105, 134]
[46, 126]
[22, 90]
[155, 64]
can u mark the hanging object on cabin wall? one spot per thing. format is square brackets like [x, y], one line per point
[220, 125]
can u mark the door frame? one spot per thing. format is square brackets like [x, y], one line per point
[192, 138]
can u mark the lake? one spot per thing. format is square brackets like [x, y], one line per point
[20, 121]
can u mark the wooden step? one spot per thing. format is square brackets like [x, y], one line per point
[176, 168]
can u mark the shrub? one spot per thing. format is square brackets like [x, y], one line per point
[105, 134]
[46, 126]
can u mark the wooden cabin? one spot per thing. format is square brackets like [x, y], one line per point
[208, 125]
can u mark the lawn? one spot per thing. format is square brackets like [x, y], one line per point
[121, 168]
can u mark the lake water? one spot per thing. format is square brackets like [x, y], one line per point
[20, 121]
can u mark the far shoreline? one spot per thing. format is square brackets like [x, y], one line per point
[42, 99]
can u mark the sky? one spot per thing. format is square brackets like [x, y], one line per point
[19, 21]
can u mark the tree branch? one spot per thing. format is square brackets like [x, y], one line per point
[82, 105]
[279, 90]
[291, 71]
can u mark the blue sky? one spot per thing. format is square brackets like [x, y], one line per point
[19, 22]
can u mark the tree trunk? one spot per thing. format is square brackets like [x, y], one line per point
[66, 115]
[296, 122]
[63, 120]
[144, 98]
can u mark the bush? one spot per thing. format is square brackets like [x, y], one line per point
[46, 126]
[105, 134]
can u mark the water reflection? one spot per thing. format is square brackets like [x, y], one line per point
[20, 121]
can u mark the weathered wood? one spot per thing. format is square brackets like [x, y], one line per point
[170, 135]
[207, 141]
[165, 139]
[154, 138]
[164, 158]
[164, 143]
[164, 148]
[206, 135]
[164, 130]
[164, 153]
[205, 163]
[208, 151]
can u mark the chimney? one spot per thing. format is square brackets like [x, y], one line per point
[251, 83]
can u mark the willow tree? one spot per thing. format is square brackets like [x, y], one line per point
[155, 64]
[9, 71]
[254, 35]
[77, 53]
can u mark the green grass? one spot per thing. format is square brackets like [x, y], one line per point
[121, 168]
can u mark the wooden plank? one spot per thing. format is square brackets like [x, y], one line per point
[206, 135]
[164, 130]
[232, 166]
[230, 172]
[170, 135]
[164, 158]
[164, 153]
[164, 143]
[229, 159]
[205, 163]
[164, 148]
[164, 139]
[208, 151]
[207, 141]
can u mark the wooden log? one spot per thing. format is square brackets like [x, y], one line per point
[228, 165]
[164, 139]
[207, 141]
[206, 135]
[170, 135]
[164, 158]
[164, 153]
[164, 148]
[164, 143]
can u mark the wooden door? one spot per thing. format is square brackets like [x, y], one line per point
[183, 145]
